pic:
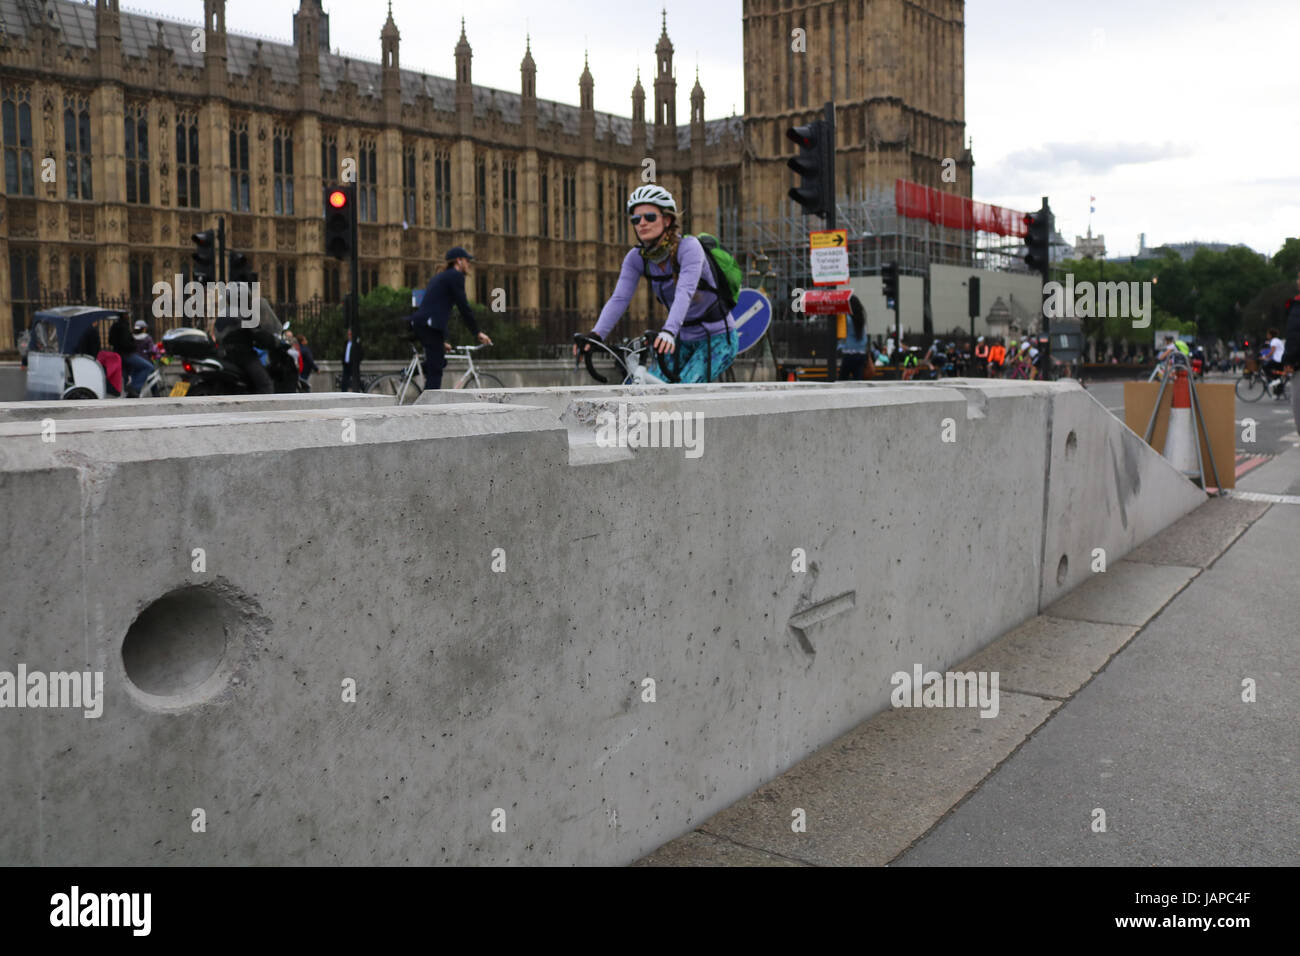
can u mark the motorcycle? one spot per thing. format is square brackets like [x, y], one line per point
[208, 370]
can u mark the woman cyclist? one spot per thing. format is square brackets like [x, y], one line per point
[698, 341]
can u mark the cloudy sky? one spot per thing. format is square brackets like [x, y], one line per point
[1182, 118]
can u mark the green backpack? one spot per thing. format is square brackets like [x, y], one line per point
[726, 288]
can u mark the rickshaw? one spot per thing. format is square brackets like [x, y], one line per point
[62, 350]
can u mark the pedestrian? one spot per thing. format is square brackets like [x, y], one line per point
[855, 356]
[982, 350]
[139, 362]
[429, 322]
[352, 353]
[997, 355]
[307, 364]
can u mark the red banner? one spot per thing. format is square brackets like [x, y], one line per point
[827, 302]
[957, 212]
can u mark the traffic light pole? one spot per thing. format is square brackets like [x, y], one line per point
[828, 177]
[354, 316]
[221, 248]
[1048, 372]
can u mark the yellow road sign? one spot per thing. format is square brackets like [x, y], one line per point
[828, 238]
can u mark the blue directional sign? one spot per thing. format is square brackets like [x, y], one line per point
[752, 315]
[417, 296]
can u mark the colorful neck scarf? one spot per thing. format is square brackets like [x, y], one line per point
[665, 246]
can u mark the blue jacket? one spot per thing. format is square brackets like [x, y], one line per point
[444, 290]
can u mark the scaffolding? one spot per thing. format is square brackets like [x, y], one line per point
[773, 249]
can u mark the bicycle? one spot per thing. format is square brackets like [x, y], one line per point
[407, 384]
[365, 382]
[623, 362]
[1254, 383]
[472, 374]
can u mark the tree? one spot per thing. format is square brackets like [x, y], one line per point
[1268, 308]
[1225, 282]
[1287, 259]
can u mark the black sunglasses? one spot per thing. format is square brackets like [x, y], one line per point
[648, 217]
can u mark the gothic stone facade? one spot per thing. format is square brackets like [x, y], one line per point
[123, 135]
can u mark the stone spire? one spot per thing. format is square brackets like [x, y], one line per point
[697, 100]
[638, 112]
[528, 73]
[389, 41]
[464, 82]
[585, 84]
[665, 91]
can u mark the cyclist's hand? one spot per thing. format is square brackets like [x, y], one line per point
[664, 343]
[580, 341]
[484, 338]
[446, 346]
[1288, 371]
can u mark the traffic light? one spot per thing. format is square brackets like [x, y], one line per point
[889, 282]
[340, 220]
[205, 256]
[816, 147]
[1038, 238]
[974, 289]
[241, 270]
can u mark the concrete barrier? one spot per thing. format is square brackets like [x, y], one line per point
[373, 634]
[138, 407]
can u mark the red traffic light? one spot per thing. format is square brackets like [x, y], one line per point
[338, 199]
[805, 136]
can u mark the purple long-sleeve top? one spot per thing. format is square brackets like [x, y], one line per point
[688, 300]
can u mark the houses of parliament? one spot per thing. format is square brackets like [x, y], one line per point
[124, 134]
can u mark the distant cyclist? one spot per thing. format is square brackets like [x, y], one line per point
[698, 341]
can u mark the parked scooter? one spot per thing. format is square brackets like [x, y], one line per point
[208, 370]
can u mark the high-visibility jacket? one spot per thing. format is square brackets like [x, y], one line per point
[981, 351]
[997, 354]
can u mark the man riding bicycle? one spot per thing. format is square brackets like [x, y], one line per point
[698, 341]
[429, 322]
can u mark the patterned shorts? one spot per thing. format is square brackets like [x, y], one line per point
[703, 360]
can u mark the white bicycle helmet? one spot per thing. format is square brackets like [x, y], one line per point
[655, 196]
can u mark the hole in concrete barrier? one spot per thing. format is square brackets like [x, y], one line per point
[1071, 444]
[179, 650]
[1062, 568]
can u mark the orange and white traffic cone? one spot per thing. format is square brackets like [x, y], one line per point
[1180, 439]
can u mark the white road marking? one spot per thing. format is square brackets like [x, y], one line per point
[1261, 496]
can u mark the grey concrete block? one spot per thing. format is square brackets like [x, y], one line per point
[1126, 593]
[1200, 537]
[1107, 489]
[207, 405]
[878, 788]
[703, 849]
[479, 690]
[1050, 656]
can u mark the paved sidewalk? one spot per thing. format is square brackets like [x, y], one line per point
[1125, 696]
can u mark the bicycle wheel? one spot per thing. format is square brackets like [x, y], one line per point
[1250, 388]
[486, 380]
[392, 385]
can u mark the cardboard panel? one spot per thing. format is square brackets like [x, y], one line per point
[1218, 405]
